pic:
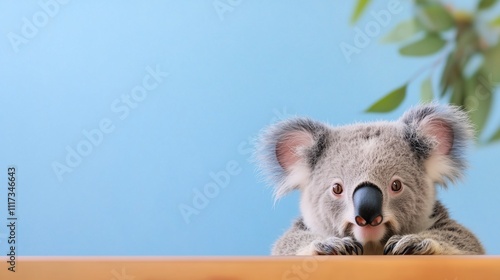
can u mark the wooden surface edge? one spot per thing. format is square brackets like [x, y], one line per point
[320, 267]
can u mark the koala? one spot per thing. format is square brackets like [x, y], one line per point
[370, 188]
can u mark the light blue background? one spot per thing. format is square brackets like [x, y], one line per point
[228, 78]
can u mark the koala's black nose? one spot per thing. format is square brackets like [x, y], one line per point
[367, 200]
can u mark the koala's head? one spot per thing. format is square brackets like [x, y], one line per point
[367, 180]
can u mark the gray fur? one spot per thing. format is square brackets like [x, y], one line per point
[424, 148]
[266, 150]
[459, 123]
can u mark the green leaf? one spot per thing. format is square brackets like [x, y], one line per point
[389, 102]
[495, 22]
[425, 2]
[491, 64]
[495, 137]
[485, 4]
[435, 18]
[448, 74]
[358, 10]
[467, 40]
[478, 100]
[404, 30]
[458, 93]
[428, 45]
[426, 93]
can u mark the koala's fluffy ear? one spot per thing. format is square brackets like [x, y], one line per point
[287, 152]
[439, 135]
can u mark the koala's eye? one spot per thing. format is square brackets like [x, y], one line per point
[396, 186]
[337, 188]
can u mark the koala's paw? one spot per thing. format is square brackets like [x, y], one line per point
[412, 244]
[333, 246]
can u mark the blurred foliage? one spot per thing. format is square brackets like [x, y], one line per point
[467, 49]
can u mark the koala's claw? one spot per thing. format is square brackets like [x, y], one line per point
[338, 246]
[353, 248]
[388, 248]
[411, 244]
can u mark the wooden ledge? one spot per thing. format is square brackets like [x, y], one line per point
[227, 268]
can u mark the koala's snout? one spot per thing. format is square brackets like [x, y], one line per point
[367, 199]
